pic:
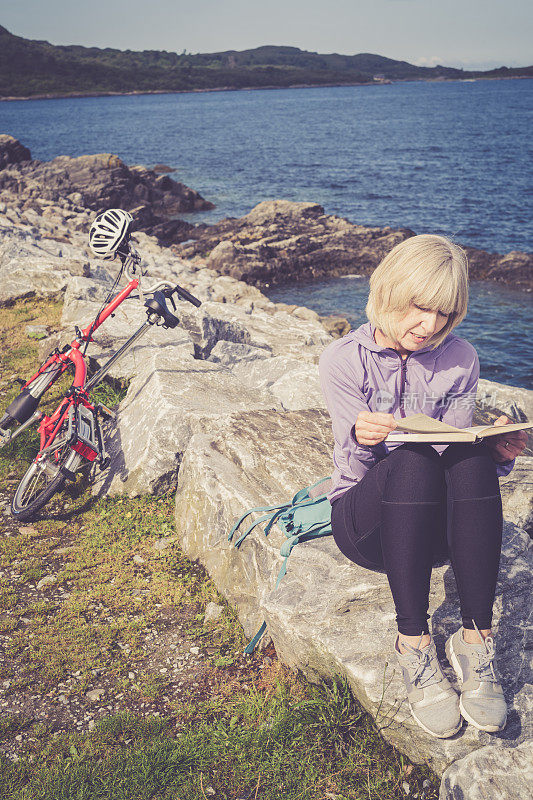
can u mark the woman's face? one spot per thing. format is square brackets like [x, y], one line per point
[417, 326]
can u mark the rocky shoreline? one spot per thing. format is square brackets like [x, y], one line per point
[227, 410]
[281, 242]
[186, 91]
[277, 242]
[387, 82]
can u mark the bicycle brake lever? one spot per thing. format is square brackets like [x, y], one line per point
[168, 294]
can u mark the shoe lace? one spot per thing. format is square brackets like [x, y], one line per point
[422, 666]
[485, 660]
[425, 672]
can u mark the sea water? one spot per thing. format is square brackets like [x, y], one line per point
[439, 157]
[498, 322]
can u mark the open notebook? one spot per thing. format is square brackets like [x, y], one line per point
[420, 428]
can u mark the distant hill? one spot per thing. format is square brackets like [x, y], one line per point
[29, 68]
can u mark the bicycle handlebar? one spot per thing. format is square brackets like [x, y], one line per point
[157, 304]
[184, 294]
[168, 290]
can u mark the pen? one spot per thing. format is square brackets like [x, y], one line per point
[518, 415]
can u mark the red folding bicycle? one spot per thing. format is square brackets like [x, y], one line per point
[71, 437]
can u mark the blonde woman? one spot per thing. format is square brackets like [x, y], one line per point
[402, 509]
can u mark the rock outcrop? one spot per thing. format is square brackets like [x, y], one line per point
[281, 242]
[97, 182]
[228, 410]
[494, 772]
[277, 242]
[12, 151]
[320, 616]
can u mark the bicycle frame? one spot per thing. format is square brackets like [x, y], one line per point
[50, 425]
[71, 355]
[71, 437]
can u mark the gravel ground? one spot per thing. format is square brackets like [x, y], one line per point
[171, 655]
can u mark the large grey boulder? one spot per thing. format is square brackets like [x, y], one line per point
[279, 333]
[231, 354]
[32, 280]
[491, 773]
[170, 394]
[172, 388]
[330, 617]
[294, 383]
[30, 266]
[492, 400]
[506, 399]
[517, 494]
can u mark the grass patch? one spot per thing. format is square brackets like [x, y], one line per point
[19, 359]
[18, 352]
[290, 742]
[108, 641]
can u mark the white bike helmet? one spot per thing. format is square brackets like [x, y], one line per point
[108, 231]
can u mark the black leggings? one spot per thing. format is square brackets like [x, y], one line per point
[412, 511]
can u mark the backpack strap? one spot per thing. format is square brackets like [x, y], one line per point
[301, 499]
[250, 647]
[252, 511]
[271, 520]
[320, 529]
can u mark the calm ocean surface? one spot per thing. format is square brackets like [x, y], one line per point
[498, 322]
[452, 158]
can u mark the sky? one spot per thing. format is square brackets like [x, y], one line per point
[476, 34]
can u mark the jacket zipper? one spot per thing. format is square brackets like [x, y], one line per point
[402, 383]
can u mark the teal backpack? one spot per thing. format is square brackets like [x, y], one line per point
[307, 516]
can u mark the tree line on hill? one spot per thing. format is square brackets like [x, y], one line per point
[29, 68]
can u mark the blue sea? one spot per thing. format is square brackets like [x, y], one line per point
[498, 322]
[450, 157]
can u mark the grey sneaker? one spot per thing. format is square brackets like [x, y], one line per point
[482, 702]
[434, 702]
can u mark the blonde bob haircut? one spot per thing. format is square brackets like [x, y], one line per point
[428, 271]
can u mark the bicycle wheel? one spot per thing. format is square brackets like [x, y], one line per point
[43, 479]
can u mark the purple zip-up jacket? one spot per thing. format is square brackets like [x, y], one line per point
[357, 374]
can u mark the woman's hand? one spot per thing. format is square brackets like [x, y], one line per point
[372, 427]
[506, 446]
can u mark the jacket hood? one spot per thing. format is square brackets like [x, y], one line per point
[364, 335]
